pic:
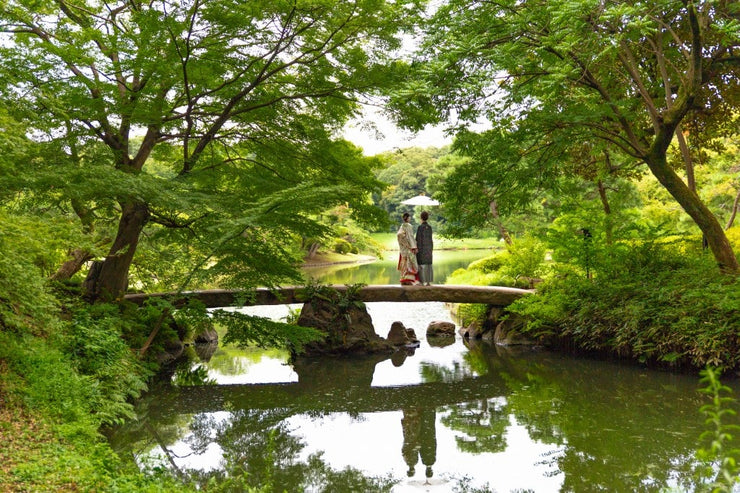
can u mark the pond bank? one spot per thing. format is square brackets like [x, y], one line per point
[327, 259]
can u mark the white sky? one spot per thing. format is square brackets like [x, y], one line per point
[387, 137]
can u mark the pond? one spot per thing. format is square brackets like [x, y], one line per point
[447, 416]
[384, 271]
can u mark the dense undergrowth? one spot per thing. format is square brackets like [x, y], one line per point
[654, 302]
[661, 301]
[67, 371]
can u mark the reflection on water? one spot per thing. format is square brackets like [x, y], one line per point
[452, 418]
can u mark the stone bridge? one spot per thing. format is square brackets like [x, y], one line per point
[214, 298]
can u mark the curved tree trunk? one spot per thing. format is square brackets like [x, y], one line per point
[313, 249]
[108, 278]
[608, 226]
[735, 206]
[499, 223]
[78, 257]
[694, 207]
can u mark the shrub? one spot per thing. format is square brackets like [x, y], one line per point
[733, 235]
[25, 302]
[93, 340]
[342, 246]
[468, 313]
[651, 302]
[517, 266]
[526, 259]
[475, 277]
[491, 263]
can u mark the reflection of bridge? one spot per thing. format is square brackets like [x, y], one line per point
[300, 397]
[491, 295]
[335, 384]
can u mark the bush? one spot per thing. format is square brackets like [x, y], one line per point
[342, 246]
[491, 263]
[517, 266]
[26, 304]
[475, 277]
[526, 259]
[468, 313]
[98, 352]
[733, 235]
[652, 302]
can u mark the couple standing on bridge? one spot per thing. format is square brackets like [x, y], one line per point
[415, 258]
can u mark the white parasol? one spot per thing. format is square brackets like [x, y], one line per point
[420, 200]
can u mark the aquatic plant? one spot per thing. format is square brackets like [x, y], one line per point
[719, 455]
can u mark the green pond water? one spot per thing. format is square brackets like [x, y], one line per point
[384, 271]
[447, 416]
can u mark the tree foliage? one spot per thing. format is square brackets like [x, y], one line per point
[622, 76]
[203, 127]
[408, 173]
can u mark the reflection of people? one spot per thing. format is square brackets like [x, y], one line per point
[407, 264]
[425, 245]
[419, 439]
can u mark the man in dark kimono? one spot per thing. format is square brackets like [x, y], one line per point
[424, 245]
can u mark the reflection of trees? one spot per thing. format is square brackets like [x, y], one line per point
[230, 360]
[482, 423]
[610, 427]
[617, 429]
[257, 443]
[435, 373]
[134, 439]
[194, 375]
[259, 450]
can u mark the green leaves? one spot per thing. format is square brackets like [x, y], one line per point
[217, 117]
[568, 81]
[245, 330]
[719, 434]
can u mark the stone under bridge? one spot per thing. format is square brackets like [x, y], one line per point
[491, 295]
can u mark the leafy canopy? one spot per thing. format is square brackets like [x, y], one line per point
[216, 120]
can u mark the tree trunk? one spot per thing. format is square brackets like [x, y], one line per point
[312, 250]
[607, 213]
[108, 279]
[694, 207]
[688, 162]
[69, 268]
[77, 256]
[735, 206]
[499, 223]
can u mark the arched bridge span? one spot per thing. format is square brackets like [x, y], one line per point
[214, 298]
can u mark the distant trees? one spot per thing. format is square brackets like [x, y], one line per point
[200, 131]
[628, 77]
[409, 172]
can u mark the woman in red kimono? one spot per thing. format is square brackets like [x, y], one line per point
[407, 263]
